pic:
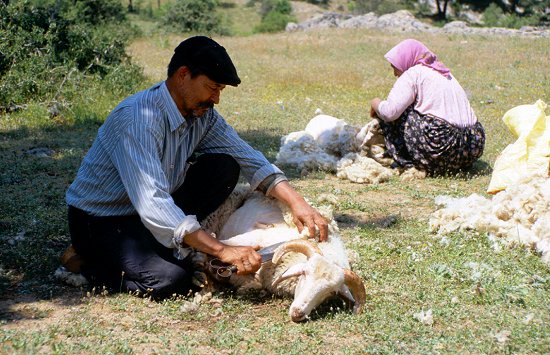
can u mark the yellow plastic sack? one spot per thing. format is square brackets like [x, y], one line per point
[530, 154]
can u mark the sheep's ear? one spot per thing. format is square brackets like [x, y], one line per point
[346, 295]
[293, 271]
[357, 289]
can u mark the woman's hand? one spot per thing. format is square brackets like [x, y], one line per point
[374, 107]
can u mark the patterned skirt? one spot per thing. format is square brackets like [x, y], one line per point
[431, 143]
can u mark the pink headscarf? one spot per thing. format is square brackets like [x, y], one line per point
[411, 52]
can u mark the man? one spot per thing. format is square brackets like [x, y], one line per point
[164, 160]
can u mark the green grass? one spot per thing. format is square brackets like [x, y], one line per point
[474, 292]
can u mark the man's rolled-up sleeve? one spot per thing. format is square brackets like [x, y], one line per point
[222, 138]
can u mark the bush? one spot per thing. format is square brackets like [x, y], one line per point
[44, 45]
[276, 14]
[281, 6]
[274, 22]
[97, 12]
[494, 16]
[323, 3]
[380, 7]
[194, 16]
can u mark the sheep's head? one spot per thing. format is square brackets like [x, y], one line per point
[318, 280]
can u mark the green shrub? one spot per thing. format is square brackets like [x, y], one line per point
[98, 11]
[323, 3]
[388, 7]
[251, 3]
[380, 7]
[494, 16]
[274, 22]
[194, 16]
[276, 14]
[281, 6]
[43, 45]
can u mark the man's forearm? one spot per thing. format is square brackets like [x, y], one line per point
[244, 258]
[204, 242]
[285, 193]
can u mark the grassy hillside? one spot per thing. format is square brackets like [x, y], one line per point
[240, 16]
[287, 76]
[503, 308]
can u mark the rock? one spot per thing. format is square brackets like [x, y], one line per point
[40, 152]
[404, 21]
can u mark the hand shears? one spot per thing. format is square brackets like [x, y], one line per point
[226, 270]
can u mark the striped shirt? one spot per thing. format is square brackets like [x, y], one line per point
[140, 157]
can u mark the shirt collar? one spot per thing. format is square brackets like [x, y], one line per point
[175, 118]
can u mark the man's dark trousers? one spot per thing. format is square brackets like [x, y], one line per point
[120, 253]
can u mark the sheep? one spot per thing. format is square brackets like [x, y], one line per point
[330, 144]
[518, 215]
[334, 135]
[307, 271]
[300, 149]
[373, 144]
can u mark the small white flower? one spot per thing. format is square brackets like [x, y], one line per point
[424, 317]
[502, 336]
[528, 318]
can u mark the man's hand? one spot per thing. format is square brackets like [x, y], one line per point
[307, 216]
[245, 259]
[304, 215]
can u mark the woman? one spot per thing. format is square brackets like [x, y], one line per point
[427, 120]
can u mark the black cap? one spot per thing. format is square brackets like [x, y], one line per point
[207, 56]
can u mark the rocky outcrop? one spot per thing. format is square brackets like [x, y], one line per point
[404, 21]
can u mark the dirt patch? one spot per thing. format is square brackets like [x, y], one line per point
[304, 11]
[29, 312]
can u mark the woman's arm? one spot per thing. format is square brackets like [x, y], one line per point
[374, 107]
[401, 96]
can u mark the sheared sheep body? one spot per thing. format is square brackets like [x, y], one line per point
[309, 279]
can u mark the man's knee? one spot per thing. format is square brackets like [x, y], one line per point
[219, 162]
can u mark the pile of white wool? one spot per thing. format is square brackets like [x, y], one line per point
[518, 215]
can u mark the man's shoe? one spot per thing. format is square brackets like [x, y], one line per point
[71, 260]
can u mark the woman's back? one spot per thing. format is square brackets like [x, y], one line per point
[431, 93]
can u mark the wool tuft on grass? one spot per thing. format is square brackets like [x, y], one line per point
[518, 215]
